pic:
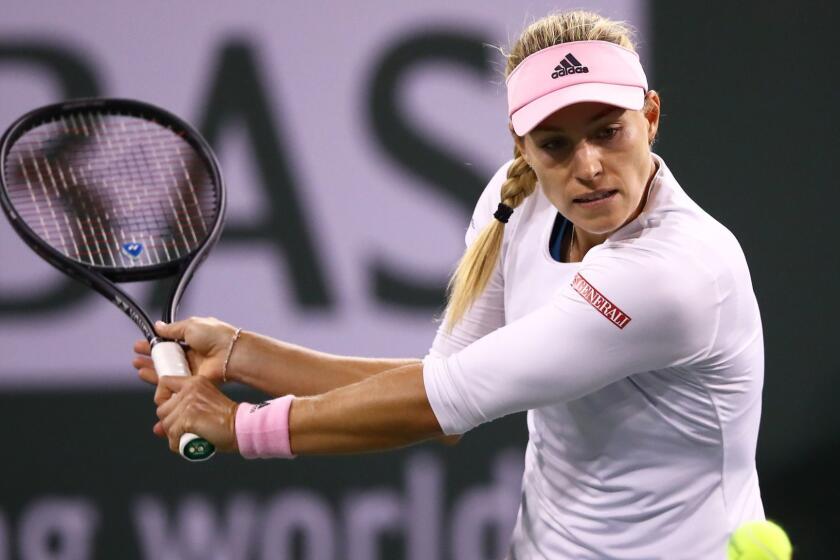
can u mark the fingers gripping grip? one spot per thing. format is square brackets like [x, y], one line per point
[169, 359]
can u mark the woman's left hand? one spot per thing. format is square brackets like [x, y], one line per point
[196, 405]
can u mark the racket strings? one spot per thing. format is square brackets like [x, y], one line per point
[112, 190]
[103, 218]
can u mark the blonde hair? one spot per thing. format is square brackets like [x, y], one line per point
[476, 266]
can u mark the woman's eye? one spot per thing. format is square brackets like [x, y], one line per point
[608, 132]
[553, 145]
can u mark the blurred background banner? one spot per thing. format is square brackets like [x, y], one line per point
[355, 139]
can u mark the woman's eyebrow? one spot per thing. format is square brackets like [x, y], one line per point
[602, 114]
[606, 112]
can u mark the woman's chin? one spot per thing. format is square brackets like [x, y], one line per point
[602, 225]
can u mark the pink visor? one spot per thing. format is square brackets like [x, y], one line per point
[568, 73]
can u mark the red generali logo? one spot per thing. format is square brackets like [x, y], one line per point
[597, 300]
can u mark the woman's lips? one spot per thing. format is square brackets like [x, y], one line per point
[597, 201]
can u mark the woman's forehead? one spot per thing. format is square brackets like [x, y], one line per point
[578, 115]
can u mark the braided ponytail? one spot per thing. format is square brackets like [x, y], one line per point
[477, 264]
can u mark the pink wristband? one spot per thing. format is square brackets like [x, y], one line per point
[262, 430]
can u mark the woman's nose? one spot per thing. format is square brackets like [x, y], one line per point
[587, 162]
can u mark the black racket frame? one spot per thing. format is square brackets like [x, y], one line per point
[101, 279]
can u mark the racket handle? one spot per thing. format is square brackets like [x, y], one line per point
[169, 359]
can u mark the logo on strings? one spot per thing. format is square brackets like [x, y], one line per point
[133, 250]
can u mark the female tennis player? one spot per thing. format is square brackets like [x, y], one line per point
[594, 294]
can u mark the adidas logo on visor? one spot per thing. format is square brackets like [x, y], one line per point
[569, 65]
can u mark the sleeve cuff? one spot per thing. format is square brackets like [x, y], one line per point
[444, 398]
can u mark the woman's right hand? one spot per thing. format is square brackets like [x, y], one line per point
[207, 342]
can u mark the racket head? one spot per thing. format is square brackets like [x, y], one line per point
[117, 187]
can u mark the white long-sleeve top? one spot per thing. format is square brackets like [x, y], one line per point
[641, 369]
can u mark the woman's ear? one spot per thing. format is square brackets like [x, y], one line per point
[651, 112]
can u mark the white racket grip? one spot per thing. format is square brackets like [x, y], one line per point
[169, 359]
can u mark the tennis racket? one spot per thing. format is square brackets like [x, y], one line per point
[115, 190]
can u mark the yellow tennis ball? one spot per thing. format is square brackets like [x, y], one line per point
[759, 540]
